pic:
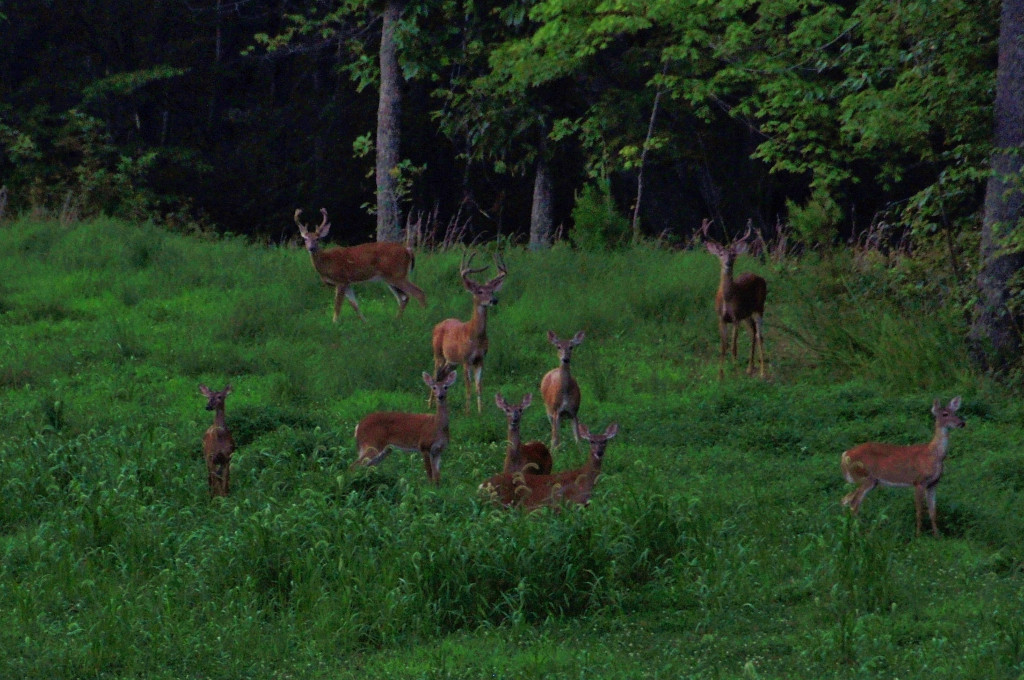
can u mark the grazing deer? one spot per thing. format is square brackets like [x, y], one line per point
[737, 300]
[465, 342]
[378, 433]
[342, 267]
[534, 491]
[218, 445]
[532, 457]
[918, 465]
[559, 389]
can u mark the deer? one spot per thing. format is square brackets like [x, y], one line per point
[465, 342]
[737, 300]
[342, 267]
[560, 391]
[218, 444]
[533, 456]
[528, 491]
[378, 433]
[917, 465]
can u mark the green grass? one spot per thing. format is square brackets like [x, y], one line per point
[714, 547]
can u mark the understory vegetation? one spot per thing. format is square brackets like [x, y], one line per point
[714, 546]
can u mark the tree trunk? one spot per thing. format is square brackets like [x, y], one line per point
[995, 336]
[543, 207]
[389, 112]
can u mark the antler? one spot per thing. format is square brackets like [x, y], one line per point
[323, 223]
[464, 269]
[302, 227]
[499, 264]
[704, 226]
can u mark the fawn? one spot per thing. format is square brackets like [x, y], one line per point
[218, 444]
[560, 391]
[532, 457]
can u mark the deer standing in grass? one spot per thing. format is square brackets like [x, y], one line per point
[218, 445]
[378, 433]
[572, 486]
[918, 465]
[737, 300]
[560, 391]
[532, 457]
[465, 342]
[342, 267]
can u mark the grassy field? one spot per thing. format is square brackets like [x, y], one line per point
[714, 546]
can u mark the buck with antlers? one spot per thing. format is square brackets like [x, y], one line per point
[918, 465]
[465, 342]
[560, 391]
[532, 457]
[739, 299]
[534, 491]
[378, 433]
[342, 267]
[218, 445]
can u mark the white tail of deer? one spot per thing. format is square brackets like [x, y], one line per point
[559, 389]
[918, 465]
[737, 300]
[342, 267]
[378, 433]
[534, 491]
[532, 457]
[218, 445]
[465, 342]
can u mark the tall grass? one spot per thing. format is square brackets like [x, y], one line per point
[714, 545]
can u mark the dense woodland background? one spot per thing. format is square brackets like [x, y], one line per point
[817, 122]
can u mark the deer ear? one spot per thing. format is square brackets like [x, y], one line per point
[552, 338]
[936, 405]
[227, 390]
[205, 391]
[578, 338]
[500, 401]
[527, 400]
[428, 379]
[955, 404]
[584, 432]
[740, 247]
[450, 380]
[612, 430]
[713, 248]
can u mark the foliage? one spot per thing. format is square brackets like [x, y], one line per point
[713, 547]
[596, 223]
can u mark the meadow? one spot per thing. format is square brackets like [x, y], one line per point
[714, 545]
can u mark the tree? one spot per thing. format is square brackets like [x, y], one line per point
[995, 334]
[389, 118]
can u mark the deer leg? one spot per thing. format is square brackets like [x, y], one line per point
[432, 463]
[350, 295]
[478, 378]
[409, 288]
[556, 421]
[735, 338]
[723, 336]
[930, 497]
[918, 505]
[402, 298]
[469, 386]
[855, 497]
[575, 428]
[758, 324]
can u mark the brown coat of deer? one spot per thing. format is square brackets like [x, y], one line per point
[560, 391]
[378, 433]
[528, 491]
[218, 445]
[465, 342]
[342, 267]
[918, 465]
[737, 300]
[533, 457]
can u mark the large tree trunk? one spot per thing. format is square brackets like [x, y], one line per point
[389, 112]
[543, 207]
[995, 336]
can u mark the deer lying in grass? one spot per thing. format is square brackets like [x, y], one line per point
[739, 299]
[465, 342]
[560, 391]
[342, 267]
[918, 465]
[218, 445]
[532, 457]
[528, 491]
[378, 433]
